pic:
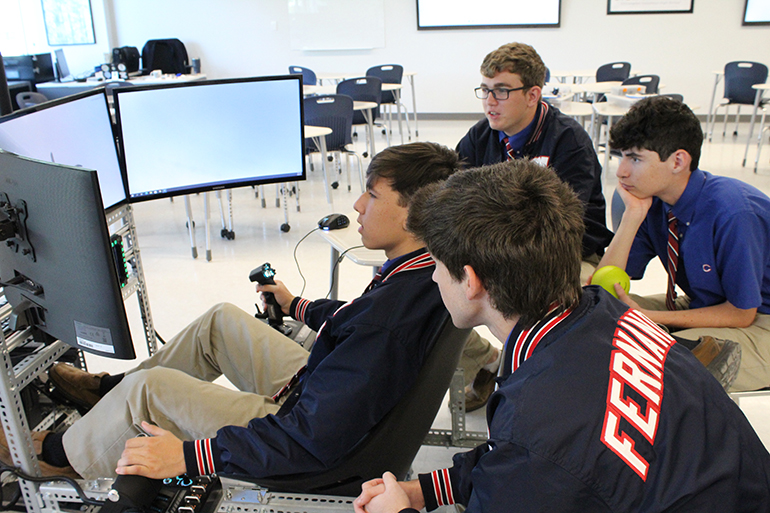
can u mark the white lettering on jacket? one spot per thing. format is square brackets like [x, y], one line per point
[636, 364]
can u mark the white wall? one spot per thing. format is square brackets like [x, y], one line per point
[251, 37]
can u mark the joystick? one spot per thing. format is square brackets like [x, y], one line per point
[264, 276]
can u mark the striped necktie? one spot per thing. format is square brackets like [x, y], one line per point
[673, 260]
[508, 149]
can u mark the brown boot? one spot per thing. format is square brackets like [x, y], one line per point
[477, 393]
[46, 469]
[76, 385]
[722, 358]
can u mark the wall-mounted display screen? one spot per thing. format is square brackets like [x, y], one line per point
[757, 12]
[461, 14]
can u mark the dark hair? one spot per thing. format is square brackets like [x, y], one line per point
[662, 125]
[516, 224]
[411, 166]
[516, 58]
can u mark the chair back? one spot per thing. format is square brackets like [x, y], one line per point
[613, 72]
[333, 111]
[393, 443]
[308, 75]
[27, 99]
[547, 75]
[650, 82]
[389, 74]
[167, 55]
[739, 77]
[362, 89]
[674, 96]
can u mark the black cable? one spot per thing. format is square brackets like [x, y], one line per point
[81, 494]
[339, 259]
[296, 261]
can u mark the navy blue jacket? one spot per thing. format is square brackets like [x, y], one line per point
[560, 142]
[598, 410]
[366, 356]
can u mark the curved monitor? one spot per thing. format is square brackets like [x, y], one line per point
[75, 130]
[189, 137]
[56, 265]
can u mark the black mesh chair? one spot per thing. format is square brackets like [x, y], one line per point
[739, 77]
[167, 55]
[308, 75]
[334, 111]
[364, 89]
[650, 83]
[393, 443]
[391, 74]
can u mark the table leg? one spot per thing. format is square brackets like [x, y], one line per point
[321, 143]
[190, 226]
[369, 116]
[334, 274]
[414, 106]
[710, 119]
[757, 98]
[607, 144]
[208, 228]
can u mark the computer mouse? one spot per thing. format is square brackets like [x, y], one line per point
[334, 222]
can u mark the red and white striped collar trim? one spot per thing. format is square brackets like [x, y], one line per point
[420, 261]
[526, 341]
[538, 131]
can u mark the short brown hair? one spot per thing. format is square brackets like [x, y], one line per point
[410, 166]
[516, 224]
[517, 58]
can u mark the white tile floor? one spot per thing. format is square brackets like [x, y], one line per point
[180, 287]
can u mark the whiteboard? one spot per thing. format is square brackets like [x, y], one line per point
[336, 24]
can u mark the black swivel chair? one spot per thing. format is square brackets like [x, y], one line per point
[650, 82]
[393, 443]
[739, 77]
[391, 74]
[167, 55]
[365, 89]
[333, 111]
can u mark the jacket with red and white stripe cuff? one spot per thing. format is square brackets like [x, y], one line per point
[366, 357]
[599, 410]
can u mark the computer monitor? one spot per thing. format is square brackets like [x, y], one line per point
[75, 130]
[56, 265]
[209, 135]
[62, 70]
[33, 68]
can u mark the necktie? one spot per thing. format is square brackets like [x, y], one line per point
[673, 260]
[508, 149]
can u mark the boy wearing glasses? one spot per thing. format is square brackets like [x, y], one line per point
[520, 125]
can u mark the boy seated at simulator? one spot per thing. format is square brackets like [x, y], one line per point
[367, 355]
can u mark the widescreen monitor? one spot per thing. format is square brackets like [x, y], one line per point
[461, 14]
[74, 130]
[200, 136]
[56, 265]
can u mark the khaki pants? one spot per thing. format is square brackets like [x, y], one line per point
[479, 351]
[173, 388]
[754, 340]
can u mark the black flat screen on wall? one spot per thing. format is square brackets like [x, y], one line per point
[461, 14]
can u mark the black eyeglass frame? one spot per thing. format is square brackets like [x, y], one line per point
[495, 90]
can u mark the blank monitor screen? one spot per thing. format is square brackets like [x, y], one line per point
[459, 14]
[209, 135]
[75, 130]
[757, 12]
[62, 70]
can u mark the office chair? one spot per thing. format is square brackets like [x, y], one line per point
[391, 74]
[613, 72]
[27, 99]
[739, 77]
[308, 75]
[677, 97]
[365, 89]
[393, 443]
[651, 82]
[167, 55]
[333, 111]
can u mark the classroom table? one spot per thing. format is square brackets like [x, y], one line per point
[53, 90]
[578, 76]
[718, 75]
[342, 241]
[609, 110]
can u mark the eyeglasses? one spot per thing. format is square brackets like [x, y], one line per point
[499, 93]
